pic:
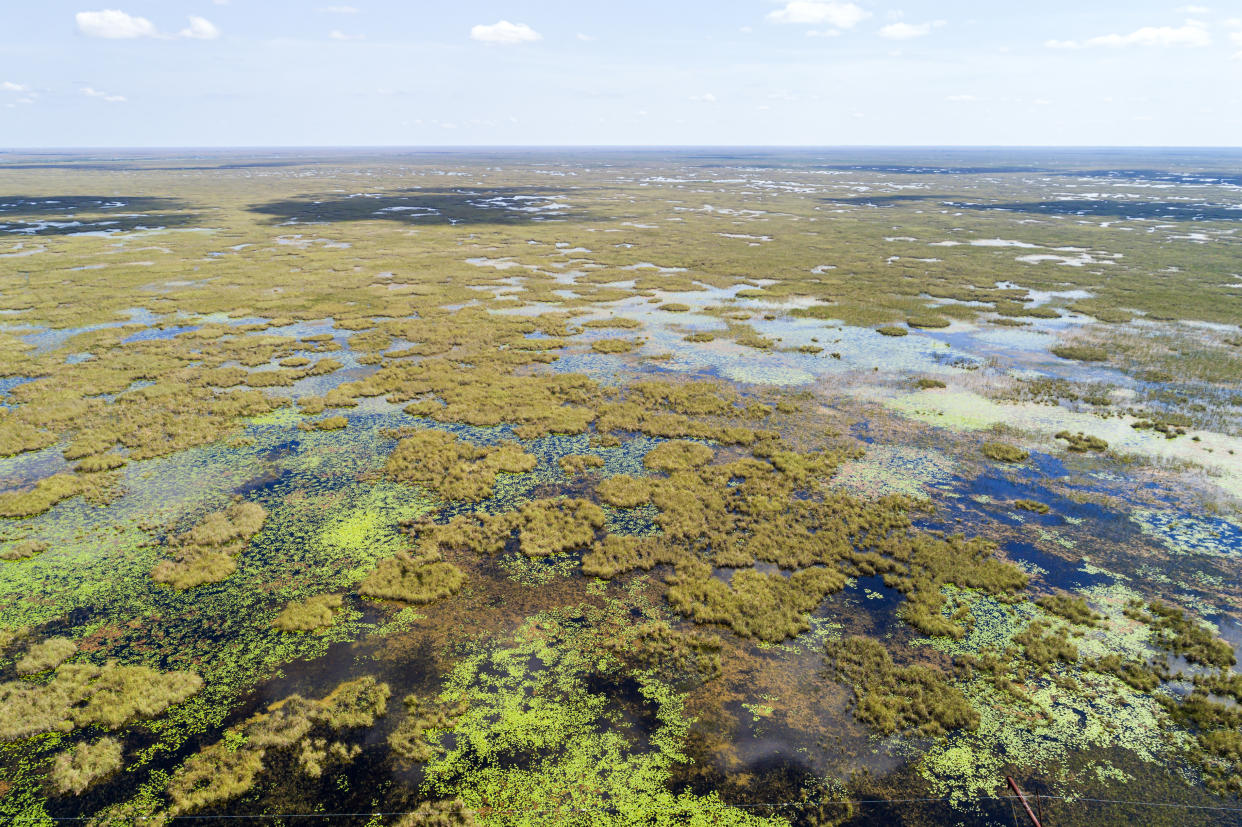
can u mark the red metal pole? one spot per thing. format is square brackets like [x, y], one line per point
[1013, 785]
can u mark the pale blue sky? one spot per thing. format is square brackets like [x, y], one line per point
[736, 72]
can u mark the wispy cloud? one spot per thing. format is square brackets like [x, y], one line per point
[10, 86]
[815, 12]
[909, 31]
[337, 34]
[706, 97]
[200, 28]
[1192, 34]
[95, 93]
[505, 32]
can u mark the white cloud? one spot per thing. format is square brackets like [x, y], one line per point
[909, 31]
[1192, 34]
[337, 34]
[586, 38]
[505, 32]
[10, 86]
[1193, 9]
[840, 15]
[823, 32]
[706, 97]
[114, 24]
[962, 98]
[95, 93]
[200, 28]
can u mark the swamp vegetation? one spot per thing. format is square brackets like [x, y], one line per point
[750, 488]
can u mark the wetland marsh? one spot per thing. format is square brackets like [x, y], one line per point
[621, 487]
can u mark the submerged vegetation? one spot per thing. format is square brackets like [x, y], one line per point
[645, 519]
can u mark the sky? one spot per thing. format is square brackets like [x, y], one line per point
[216, 73]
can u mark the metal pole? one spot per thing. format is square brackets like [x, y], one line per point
[1013, 785]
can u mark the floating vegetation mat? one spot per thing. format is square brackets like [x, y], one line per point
[756, 489]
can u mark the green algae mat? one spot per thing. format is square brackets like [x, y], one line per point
[780, 488]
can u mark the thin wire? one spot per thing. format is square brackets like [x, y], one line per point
[489, 810]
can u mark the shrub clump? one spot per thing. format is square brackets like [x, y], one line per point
[309, 614]
[678, 455]
[892, 698]
[46, 655]
[73, 771]
[1004, 452]
[1081, 443]
[1081, 353]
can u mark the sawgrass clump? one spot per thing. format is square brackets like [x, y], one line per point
[552, 526]
[204, 554]
[45, 655]
[77, 769]
[1080, 353]
[83, 694]
[573, 464]
[624, 491]
[453, 468]
[1180, 634]
[678, 455]
[1004, 452]
[1082, 443]
[414, 740]
[1070, 607]
[613, 345]
[230, 767]
[891, 698]
[411, 578]
[309, 614]
[23, 549]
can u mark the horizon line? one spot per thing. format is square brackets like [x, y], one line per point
[452, 147]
